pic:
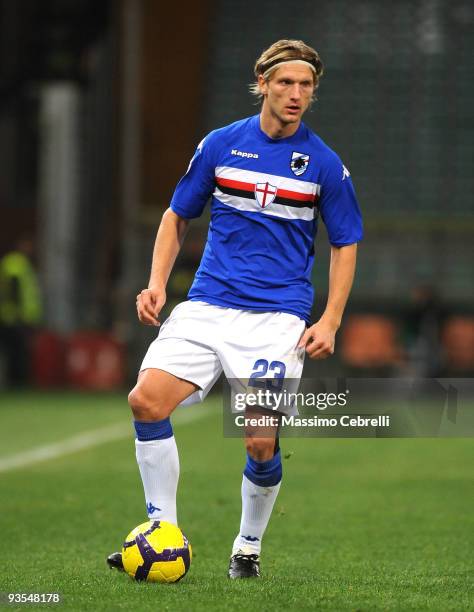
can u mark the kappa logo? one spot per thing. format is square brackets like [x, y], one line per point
[265, 194]
[150, 508]
[299, 163]
[345, 172]
[244, 154]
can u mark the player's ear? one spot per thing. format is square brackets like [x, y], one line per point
[262, 84]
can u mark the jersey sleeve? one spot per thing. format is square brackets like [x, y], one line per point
[196, 186]
[338, 205]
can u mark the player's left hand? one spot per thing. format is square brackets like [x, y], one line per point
[318, 340]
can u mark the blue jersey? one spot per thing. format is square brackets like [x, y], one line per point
[267, 195]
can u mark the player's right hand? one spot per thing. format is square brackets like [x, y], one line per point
[149, 304]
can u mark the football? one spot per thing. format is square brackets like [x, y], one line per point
[156, 551]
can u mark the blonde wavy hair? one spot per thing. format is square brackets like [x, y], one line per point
[286, 51]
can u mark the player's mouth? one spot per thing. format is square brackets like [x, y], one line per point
[293, 109]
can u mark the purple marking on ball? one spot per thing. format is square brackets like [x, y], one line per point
[156, 525]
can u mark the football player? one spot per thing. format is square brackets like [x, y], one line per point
[270, 178]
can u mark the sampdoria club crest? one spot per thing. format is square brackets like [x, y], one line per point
[299, 163]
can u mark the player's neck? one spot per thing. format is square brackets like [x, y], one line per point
[275, 128]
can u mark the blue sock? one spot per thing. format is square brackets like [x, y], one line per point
[264, 473]
[156, 430]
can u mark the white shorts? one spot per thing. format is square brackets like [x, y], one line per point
[199, 341]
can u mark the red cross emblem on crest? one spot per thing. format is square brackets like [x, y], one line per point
[265, 194]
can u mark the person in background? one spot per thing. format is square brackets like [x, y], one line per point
[20, 311]
[423, 324]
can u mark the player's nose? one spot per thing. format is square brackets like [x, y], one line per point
[295, 92]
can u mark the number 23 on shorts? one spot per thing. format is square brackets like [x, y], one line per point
[259, 379]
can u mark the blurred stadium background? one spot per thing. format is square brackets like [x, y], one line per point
[102, 104]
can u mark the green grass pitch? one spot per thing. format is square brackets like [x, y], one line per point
[359, 524]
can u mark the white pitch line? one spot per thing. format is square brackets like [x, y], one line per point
[88, 439]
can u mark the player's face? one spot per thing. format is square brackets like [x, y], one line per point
[288, 93]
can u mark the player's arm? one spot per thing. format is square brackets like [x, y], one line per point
[169, 240]
[319, 339]
[188, 201]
